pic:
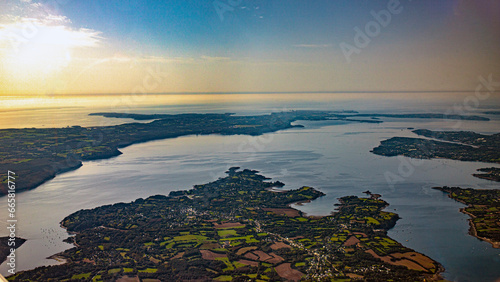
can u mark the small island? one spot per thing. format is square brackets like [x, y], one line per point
[483, 206]
[238, 228]
[455, 145]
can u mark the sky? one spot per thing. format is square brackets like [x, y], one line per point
[138, 46]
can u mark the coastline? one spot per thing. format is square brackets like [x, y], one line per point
[45, 158]
[398, 209]
[487, 176]
[60, 259]
[473, 231]
[106, 141]
[472, 227]
[437, 276]
[401, 255]
[53, 167]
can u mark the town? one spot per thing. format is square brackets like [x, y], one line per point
[237, 228]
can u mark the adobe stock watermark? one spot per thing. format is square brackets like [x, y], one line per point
[253, 145]
[224, 6]
[54, 5]
[27, 32]
[11, 221]
[470, 104]
[151, 81]
[363, 37]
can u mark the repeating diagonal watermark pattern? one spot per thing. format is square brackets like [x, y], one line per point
[225, 6]
[469, 105]
[363, 37]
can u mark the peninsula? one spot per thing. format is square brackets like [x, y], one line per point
[38, 154]
[489, 173]
[237, 228]
[483, 206]
[455, 145]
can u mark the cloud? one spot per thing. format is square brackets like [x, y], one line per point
[165, 59]
[34, 25]
[215, 59]
[37, 44]
[28, 32]
[312, 45]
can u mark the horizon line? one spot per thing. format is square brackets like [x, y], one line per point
[253, 92]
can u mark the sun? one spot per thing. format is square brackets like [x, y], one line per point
[46, 52]
[35, 51]
[42, 55]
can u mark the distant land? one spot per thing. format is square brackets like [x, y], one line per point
[426, 116]
[492, 113]
[237, 228]
[38, 154]
[344, 115]
[277, 92]
[334, 115]
[455, 145]
[483, 206]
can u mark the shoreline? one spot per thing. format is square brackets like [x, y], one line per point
[437, 276]
[472, 228]
[60, 259]
[473, 231]
[487, 177]
[103, 142]
[432, 270]
[112, 140]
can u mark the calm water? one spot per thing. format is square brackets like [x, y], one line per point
[331, 156]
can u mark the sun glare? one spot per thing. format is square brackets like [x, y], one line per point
[33, 50]
[47, 53]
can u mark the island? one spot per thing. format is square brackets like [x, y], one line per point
[483, 206]
[37, 155]
[455, 145]
[238, 228]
